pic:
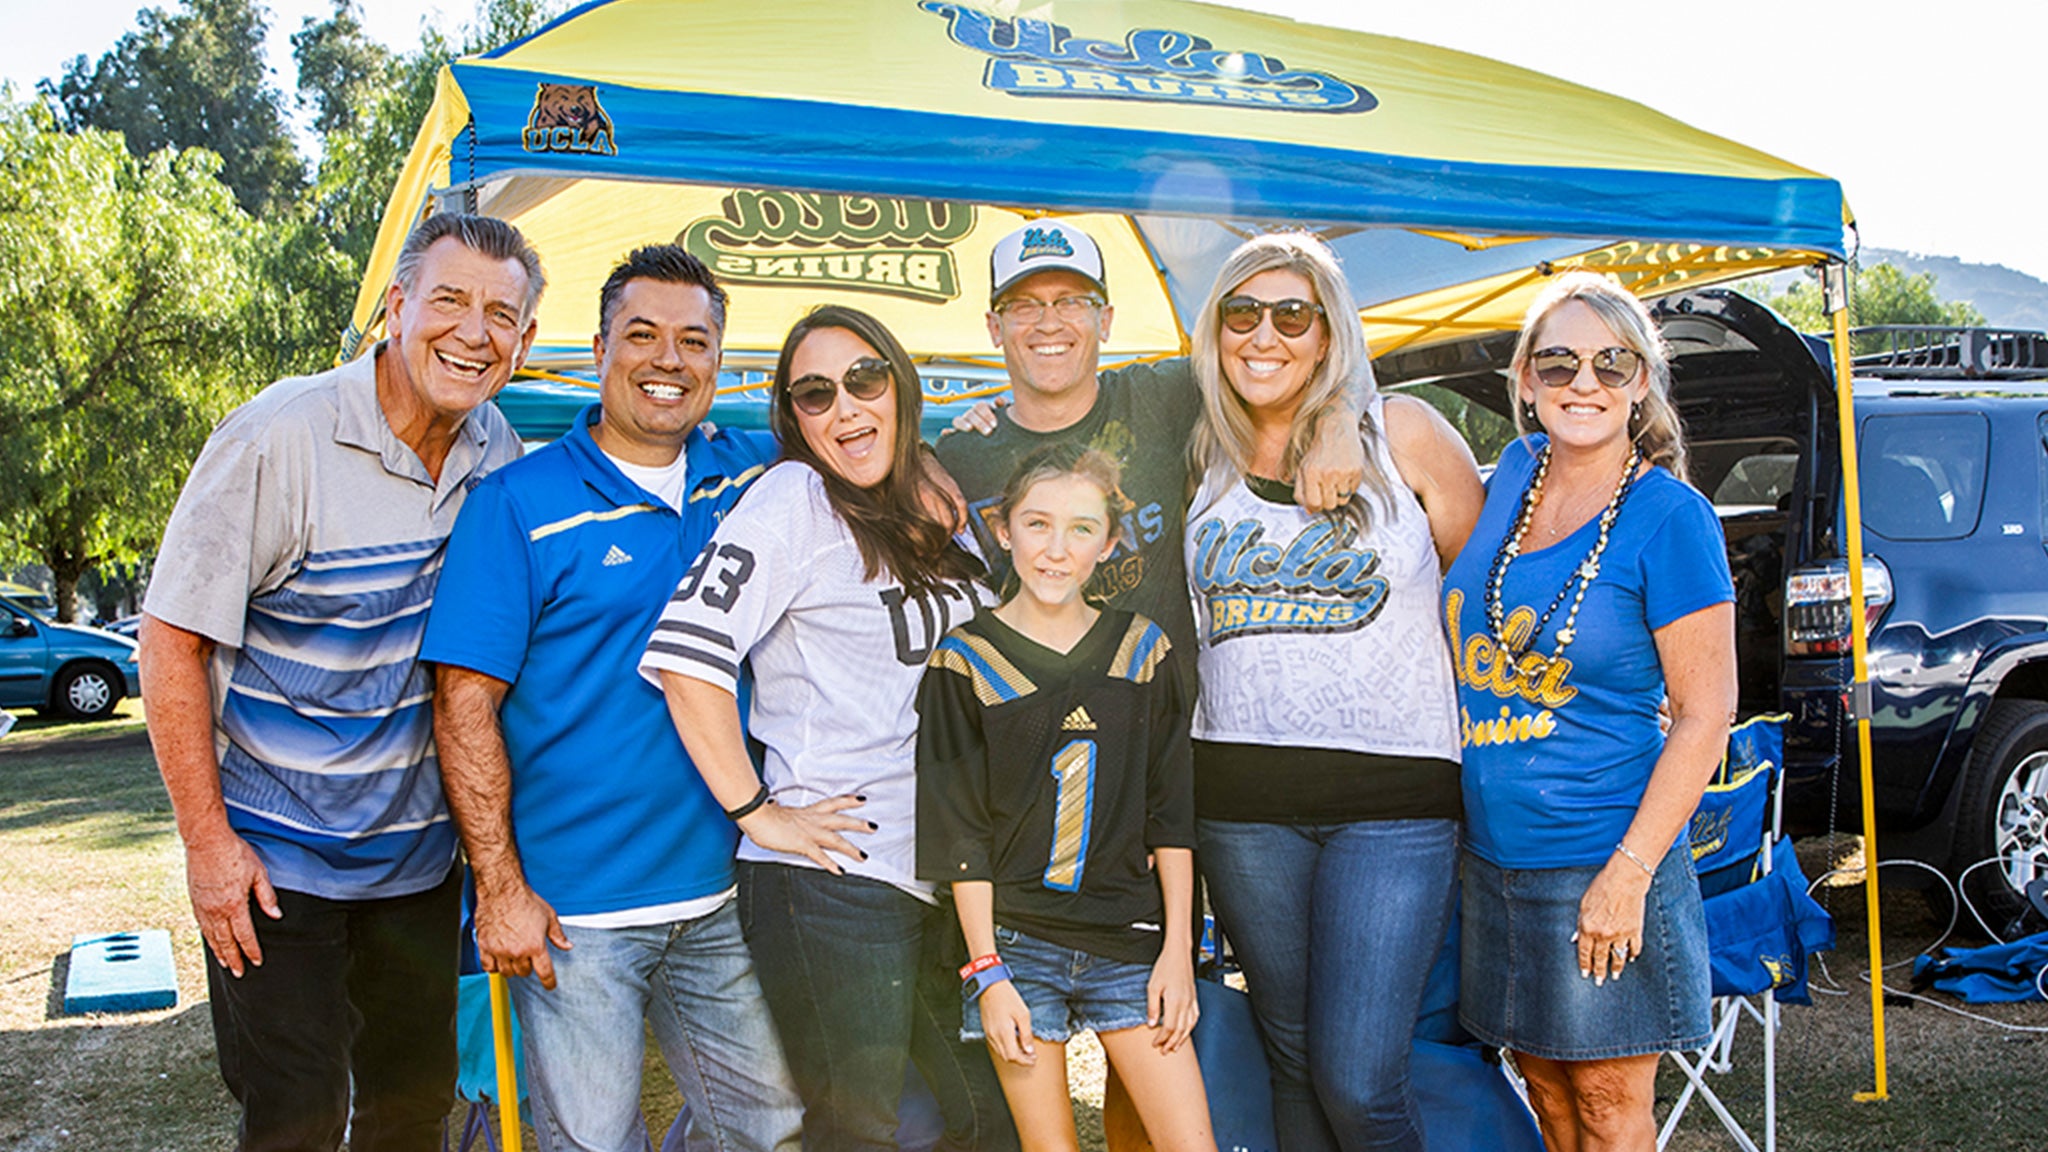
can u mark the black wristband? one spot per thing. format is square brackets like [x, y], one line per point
[745, 810]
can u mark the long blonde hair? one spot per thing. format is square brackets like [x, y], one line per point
[1653, 425]
[1222, 443]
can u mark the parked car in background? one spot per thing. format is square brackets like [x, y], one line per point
[1952, 433]
[38, 602]
[66, 669]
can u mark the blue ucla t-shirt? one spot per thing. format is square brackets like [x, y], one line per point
[1557, 755]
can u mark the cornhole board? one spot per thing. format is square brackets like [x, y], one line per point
[121, 972]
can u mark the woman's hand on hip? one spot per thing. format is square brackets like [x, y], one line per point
[810, 831]
[1611, 920]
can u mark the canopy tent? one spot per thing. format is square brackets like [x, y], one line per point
[800, 143]
[870, 153]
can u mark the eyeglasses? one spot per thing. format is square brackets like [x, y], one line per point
[1291, 317]
[865, 379]
[1026, 311]
[1612, 367]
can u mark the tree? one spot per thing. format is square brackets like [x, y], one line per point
[339, 67]
[1879, 294]
[193, 79]
[361, 158]
[125, 295]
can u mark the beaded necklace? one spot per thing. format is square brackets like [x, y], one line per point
[1588, 569]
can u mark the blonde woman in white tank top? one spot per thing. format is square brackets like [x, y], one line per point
[1326, 755]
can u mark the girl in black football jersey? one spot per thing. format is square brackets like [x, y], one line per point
[1053, 775]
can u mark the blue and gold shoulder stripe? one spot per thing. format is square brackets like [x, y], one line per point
[995, 679]
[1137, 657]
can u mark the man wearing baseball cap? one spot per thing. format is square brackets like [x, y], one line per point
[1049, 312]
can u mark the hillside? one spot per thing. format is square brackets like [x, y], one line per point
[2005, 297]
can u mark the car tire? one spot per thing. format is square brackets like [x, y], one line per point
[2004, 810]
[86, 692]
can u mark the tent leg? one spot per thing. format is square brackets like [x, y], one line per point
[1835, 281]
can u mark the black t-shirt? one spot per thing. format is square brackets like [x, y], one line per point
[1142, 416]
[1054, 775]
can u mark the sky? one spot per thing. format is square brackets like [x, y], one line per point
[1931, 115]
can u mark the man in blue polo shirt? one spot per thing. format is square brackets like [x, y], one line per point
[603, 865]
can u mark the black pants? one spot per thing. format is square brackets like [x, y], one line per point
[349, 990]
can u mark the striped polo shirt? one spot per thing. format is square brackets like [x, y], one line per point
[307, 546]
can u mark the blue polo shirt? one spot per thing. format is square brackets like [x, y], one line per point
[556, 573]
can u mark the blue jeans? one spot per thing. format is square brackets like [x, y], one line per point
[1336, 927]
[862, 977]
[693, 980]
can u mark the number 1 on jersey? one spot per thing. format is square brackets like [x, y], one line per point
[1073, 766]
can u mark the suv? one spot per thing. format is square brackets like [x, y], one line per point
[1952, 427]
[77, 672]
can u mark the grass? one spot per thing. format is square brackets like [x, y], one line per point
[87, 844]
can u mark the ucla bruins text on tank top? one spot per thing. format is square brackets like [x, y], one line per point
[1309, 639]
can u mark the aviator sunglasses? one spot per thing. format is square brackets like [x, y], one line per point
[1291, 317]
[866, 379]
[1613, 367]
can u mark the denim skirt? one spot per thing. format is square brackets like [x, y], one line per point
[1521, 987]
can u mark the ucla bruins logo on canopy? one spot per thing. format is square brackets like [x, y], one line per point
[568, 118]
[829, 240]
[1040, 58]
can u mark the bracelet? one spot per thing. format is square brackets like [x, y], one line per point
[979, 964]
[1636, 860]
[984, 979]
[748, 809]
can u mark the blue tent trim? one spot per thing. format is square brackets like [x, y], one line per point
[751, 141]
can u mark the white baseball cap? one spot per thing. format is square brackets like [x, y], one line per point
[1044, 246]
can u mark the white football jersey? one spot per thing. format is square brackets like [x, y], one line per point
[836, 659]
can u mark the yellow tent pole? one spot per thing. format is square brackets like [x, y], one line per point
[508, 1072]
[1835, 278]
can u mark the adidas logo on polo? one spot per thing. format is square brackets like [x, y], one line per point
[616, 557]
[1078, 720]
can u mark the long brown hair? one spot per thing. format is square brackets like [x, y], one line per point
[892, 523]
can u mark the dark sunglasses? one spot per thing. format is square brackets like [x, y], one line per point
[1290, 317]
[866, 379]
[1612, 367]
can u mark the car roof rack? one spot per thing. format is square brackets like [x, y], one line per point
[1942, 351]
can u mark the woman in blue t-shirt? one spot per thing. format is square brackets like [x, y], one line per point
[1595, 587]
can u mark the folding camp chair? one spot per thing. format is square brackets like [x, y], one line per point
[1761, 924]
[476, 1076]
[476, 1071]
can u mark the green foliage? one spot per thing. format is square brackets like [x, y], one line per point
[138, 303]
[339, 67]
[1879, 294]
[361, 158]
[1487, 431]
[125, 292]
[193, 79]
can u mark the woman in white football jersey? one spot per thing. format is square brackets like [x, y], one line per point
[1326, 736]
[835, 576]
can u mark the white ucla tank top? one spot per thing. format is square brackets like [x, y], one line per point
[1311, 640]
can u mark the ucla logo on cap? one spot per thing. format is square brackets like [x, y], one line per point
[1044, 242]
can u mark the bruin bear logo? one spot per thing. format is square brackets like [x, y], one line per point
[568, 118]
